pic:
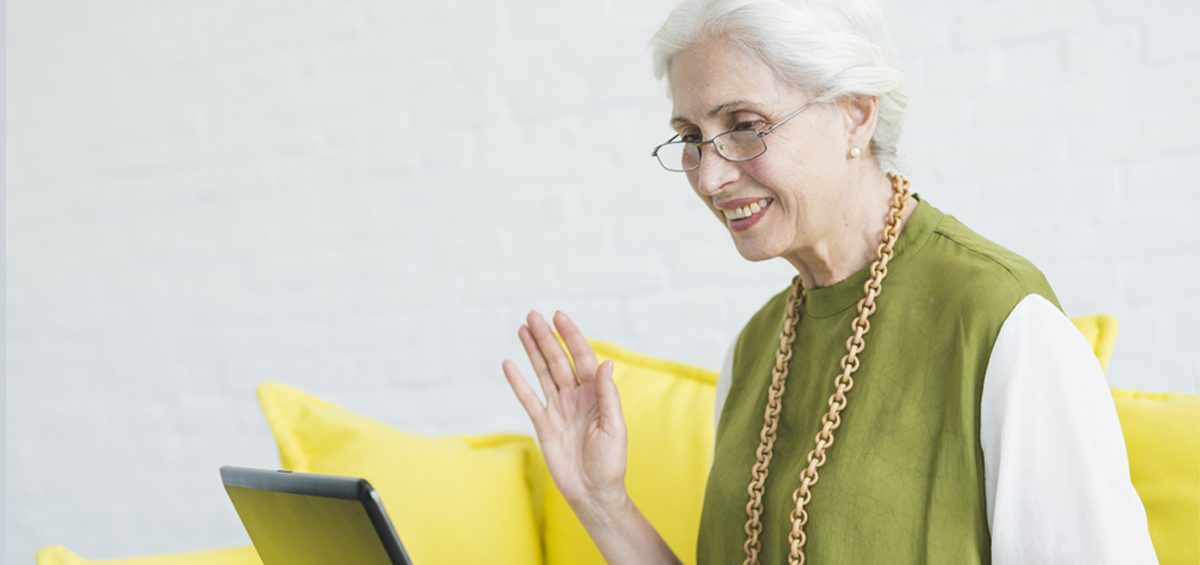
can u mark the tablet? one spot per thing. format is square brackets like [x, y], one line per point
[308, 519]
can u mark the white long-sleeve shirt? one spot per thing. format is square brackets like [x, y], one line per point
[1056, 470]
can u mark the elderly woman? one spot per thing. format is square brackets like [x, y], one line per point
[972, 423]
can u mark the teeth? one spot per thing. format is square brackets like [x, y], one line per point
[747, 211]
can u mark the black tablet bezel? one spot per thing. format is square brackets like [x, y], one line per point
[328, 486]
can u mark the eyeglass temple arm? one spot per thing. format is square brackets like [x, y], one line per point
[785, 119]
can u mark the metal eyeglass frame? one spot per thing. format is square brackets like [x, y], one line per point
[698, 144]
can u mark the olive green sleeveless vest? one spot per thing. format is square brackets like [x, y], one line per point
[904, 481]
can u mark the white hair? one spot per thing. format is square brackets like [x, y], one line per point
[831, 48]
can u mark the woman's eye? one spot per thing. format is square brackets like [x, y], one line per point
[750, 124]
[690, 137]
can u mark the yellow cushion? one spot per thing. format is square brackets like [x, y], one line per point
[1162, 436]
[451, 499]
[667, 408]
[59, 555]
[1101, 333]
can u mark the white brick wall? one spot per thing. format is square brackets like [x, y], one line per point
[363, 199]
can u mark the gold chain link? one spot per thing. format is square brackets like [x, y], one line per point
[837, 402]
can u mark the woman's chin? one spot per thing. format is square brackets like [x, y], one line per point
[753, 252]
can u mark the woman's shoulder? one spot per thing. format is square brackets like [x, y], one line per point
[978, 266]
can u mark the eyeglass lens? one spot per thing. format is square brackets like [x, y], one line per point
[737, 145]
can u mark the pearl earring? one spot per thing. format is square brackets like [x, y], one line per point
[855, 152]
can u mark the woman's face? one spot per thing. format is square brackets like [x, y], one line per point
[717, 86]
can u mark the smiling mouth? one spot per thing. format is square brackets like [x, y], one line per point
[747, 216]
[747, 210]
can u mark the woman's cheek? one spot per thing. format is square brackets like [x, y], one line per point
[760, 171]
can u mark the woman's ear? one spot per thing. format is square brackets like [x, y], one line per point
[861, 114]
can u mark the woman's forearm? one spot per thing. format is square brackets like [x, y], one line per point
[623, 534]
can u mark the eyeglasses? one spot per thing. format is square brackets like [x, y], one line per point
[735, 145]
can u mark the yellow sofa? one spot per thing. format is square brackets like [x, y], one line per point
[495, 487]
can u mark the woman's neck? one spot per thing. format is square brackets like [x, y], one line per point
[854, 244]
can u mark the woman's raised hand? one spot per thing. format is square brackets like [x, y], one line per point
[580, 427]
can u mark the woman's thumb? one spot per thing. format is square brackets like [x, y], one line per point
[606, 392]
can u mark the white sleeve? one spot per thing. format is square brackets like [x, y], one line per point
[1055, 466]
[724, 378]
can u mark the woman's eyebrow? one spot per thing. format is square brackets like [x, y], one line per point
[718, 109]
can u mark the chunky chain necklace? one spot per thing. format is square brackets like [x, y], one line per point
[831, 419]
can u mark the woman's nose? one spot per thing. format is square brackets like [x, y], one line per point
[714, 172]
